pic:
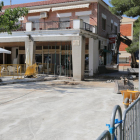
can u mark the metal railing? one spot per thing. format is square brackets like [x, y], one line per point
[116, 124]
[87, 27]
[104, 136]
[131, 122]
[56, 69]
[53, 25]
[17, 70]
[126, 127]
[20, 27]
[45, 68]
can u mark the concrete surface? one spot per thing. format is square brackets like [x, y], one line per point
[52, 111]
[9, 79]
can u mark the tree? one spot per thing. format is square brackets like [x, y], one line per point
[135, 44]
[10, 17]
[130, 8]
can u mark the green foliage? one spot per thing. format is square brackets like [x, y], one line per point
[10, 17]
[130, 8]
[135, 44]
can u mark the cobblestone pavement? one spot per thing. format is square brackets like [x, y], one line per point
[44, 111]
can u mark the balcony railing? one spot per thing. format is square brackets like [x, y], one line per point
[56, 25]
[21, 27]
[87, 27]
[52, 25]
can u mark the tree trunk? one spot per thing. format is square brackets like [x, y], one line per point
[133, 63]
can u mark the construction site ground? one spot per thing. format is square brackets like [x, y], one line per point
[56, 110]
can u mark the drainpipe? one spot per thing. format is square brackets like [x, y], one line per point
[98, 18]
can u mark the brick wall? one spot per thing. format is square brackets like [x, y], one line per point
[110, 17]
[52, 16]
[125, 64]
[93, 17]
[125, 29]
[122, 47]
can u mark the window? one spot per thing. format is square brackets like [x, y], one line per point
[47, 58]
[38, 58]
[21, 48]
[38, 47]
[33, 18]
[16, 53]
[111, 27]
[64, 23]
[103, 24]
[116, 29]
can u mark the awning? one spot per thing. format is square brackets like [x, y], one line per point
[39, 10]
[70, 7]
[4, 51]
[106, 51]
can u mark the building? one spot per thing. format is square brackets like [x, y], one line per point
[66, 37]
[126, 29]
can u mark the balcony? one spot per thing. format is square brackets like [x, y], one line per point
[57, 25]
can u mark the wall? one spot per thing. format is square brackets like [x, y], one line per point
[126, 30]
[122, 47]
[109, 17]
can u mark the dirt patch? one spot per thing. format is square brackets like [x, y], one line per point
[84, 83]
[64, 83]
[71, 83]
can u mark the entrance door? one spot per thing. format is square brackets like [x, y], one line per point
[105, 56]
[1, 58]
[8, 57]
[22, 59]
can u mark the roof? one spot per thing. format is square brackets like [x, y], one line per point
[38, 3]
[127, 19]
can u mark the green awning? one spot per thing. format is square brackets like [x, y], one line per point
[106, 51]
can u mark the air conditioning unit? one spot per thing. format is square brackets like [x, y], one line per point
[43, 15]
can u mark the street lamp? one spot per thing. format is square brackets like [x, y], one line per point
[139, 61]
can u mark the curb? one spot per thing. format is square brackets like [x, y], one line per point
[27, 81]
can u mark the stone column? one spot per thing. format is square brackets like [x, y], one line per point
[31, 46]
[93, 56]
[42, 56]
[3, 57]
[78, 58]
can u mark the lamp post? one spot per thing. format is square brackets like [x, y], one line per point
[139, 61]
